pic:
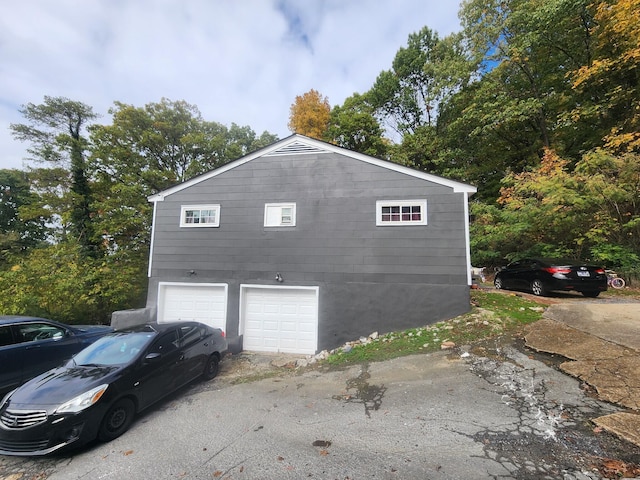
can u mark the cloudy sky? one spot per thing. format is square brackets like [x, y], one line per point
[238, 61]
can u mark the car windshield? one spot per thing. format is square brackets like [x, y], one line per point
[114, 349]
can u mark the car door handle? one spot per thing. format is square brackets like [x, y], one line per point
[181, 358]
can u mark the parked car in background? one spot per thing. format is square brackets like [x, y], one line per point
[98, 392]
[541, 276]
[32, 345]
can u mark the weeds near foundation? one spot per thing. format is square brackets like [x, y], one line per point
[492, 314]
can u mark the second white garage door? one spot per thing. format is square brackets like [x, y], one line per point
[202, 302]
[279, 319]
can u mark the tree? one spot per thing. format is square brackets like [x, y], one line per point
[148, 149]
[591, 211]
[309, 115]
[610, 81]
[61, 282]
[524, 49]
[18, 232]
[55, 131]
[423, 75]
[353, 126]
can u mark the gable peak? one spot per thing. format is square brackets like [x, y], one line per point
[296, 147]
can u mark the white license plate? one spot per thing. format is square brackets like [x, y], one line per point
[583, 274]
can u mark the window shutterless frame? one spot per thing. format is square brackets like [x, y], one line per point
[280, 215]
[200, 216]
[401, 212]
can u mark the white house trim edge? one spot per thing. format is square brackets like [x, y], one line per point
[456, 186]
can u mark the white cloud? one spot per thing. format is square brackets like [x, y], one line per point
[239, 62]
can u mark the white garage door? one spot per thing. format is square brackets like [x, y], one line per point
[202, 302]
[280, 319]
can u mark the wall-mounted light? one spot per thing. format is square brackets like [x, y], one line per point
[279, 278]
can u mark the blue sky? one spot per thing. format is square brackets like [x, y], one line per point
[238, 61]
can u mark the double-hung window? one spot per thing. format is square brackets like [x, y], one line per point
[401, 212]
[200, 216]
[280, 215]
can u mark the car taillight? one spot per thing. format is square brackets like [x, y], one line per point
[600, 271]
[223, 334]
[553, 270]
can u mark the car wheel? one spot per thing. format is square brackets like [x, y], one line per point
[591, 294]
[537, 287]
[117, 420]
[212, 367]
[498, 283]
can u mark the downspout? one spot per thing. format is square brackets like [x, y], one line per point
[153, 236]
[467, 237]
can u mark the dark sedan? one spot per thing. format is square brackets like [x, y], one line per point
[542, 276]
[100, 390]
[32, 345]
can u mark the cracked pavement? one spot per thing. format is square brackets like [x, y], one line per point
[490, 411]
[601, 345]
[493, 410]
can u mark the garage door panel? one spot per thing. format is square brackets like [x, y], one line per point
[272, 309]
[184, 301]
[280, 319]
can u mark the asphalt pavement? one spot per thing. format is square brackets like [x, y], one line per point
[490, 410]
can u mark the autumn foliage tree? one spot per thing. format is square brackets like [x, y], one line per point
[309, 115]
[589, 211]
[611, 79]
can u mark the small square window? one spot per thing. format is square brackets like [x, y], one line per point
[200, 216]
[280, 215]
[401, 212]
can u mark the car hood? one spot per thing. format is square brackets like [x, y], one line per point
[61, 384]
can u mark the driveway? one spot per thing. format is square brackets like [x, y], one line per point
[491, 410]
[601, 342]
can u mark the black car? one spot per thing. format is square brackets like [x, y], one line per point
[541, 276]
[32, 345]
[98, 392]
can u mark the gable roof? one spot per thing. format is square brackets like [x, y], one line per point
[297, 144]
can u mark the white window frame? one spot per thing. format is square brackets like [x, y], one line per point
[274, 216]
[380, 204]
[187, 208]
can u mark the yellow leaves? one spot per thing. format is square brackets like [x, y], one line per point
[540, 184]
[619, 142]
[309, 115]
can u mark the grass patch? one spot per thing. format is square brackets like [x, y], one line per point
[492, 314]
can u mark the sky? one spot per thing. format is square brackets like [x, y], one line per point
[238, 61]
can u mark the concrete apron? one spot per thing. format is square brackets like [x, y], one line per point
[602, 343]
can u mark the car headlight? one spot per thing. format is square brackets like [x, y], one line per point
[6, 398]
[83, 401]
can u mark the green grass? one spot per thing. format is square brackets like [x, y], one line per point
[493, 314]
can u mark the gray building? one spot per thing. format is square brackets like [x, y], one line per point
[303, 245]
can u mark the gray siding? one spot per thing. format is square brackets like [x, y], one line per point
[371, 278]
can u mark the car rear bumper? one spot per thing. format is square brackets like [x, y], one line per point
[586, 285]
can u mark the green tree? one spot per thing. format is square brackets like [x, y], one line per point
[591, 211]
[18, 232]
[146, 150]
[352, 125]
[309, 115]
[61, 282]
[423, 75]
[55, 131]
